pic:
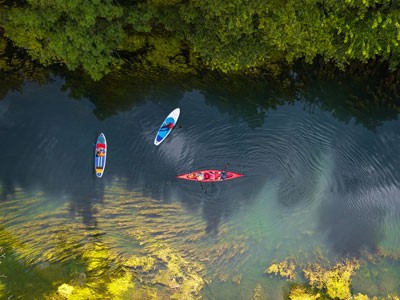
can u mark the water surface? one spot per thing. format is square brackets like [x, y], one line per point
[317, 186]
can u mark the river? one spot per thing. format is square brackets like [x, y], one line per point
[321, 184]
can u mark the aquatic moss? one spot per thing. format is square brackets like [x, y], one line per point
[336, 281]
[182, 277]
[163, 258]
[164, 278]
[258, 293]
[300, 293]
[360, 297]
[148, 293]
[173, 261]
[189, 289]
[146, 263]
[65, 290]
[284, 269]
[119, 286]
[98, 288]
[338, 284]
[34, 281]
[97, 258]
[86, 293]
[237, 279]
[327, 283]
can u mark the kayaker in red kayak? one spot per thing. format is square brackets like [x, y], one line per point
[223, 175]
[210, 175]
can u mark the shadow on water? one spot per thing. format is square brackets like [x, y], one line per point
[349, 230]
[216, 201]
[364, 190]
[368, 94]
[42, 152]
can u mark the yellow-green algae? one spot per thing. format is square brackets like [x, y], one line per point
[162, 253]
[324, 282]
[258, 293]
[285, 268]
[145, 263]
[335, 281]
[300, 293]
[65, 290]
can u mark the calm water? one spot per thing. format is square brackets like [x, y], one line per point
[319, 184]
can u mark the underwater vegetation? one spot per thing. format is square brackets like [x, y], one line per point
[139, 249]
[258, 293]
[335, 281]
[323, 282]
[284, 269]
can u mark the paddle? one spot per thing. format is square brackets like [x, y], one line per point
[201, 185]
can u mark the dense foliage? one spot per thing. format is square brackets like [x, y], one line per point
[185, 35]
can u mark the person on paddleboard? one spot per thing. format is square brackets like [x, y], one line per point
[100, 152]
[170, 125]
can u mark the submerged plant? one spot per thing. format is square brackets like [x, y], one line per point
[120, 285]
[300, 293]
[284, 269]
[325, 282]
[336, 281]
[76, 293]
[257, 293]
[360, 297]
[145, 263]
[158, 259]
[65, 290]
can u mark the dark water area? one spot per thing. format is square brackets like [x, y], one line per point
[322, 169]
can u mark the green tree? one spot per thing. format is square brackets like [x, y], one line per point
[363, 30]
[245, 34]
[77, 33]
[226, 35]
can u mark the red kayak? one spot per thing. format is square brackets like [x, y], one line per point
[210, 175]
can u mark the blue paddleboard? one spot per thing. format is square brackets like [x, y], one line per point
[164, 130]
